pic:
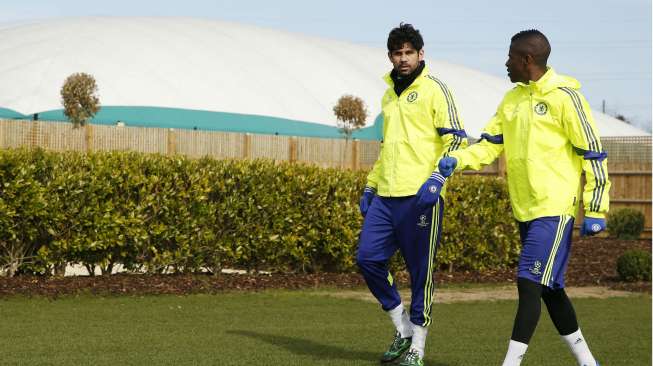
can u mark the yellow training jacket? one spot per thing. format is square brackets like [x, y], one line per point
[419, 127]
[549, 137]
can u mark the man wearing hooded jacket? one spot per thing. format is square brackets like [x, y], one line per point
[402, 202]
[547, 133]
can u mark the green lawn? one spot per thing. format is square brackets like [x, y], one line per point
[294, 328]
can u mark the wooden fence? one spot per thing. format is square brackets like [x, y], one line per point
[629, 161]
[61, 136]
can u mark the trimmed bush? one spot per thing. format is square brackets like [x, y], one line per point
[634, 265]
[155, 214]
[24, 208]
[625, 223]
[479, 229]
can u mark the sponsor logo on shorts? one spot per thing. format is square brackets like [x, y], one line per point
[596, 228]
[422, 221]
[536, 269]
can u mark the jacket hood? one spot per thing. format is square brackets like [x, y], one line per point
[552, 81]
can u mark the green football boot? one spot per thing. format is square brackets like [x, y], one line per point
[412, 359]
[397, 348]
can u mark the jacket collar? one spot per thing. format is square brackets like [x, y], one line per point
[550, 81]
[418, 79]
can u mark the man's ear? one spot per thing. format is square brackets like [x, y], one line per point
[421, 54]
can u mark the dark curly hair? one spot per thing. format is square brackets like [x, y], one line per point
[404, 33]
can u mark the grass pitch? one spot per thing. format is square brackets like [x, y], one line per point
[295, 328]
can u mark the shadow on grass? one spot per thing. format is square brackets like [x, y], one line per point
[305, 347]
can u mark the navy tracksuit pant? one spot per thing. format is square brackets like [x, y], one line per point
[395, 223]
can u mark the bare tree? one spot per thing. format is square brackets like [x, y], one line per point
[79, 98]
[622, 118]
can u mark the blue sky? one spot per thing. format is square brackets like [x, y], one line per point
[605, 44]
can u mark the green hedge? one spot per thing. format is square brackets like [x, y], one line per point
[156, 213]
[479, 229]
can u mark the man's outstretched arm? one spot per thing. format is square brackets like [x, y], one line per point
[477, 155]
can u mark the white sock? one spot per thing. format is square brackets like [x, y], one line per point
[419, 339]
[407, 325]
[401, 321]
[515, 354]
[579, 348]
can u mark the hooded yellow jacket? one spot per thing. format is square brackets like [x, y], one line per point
[419, 127]
[549, 138]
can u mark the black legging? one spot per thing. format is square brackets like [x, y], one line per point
[528, 312]
[560, 309]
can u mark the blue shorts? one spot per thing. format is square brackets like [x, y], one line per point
[546, 243]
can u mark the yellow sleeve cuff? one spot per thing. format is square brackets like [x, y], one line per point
[596, 215]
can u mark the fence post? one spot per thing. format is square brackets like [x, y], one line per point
[33, 135]
[247, 146]
[292, 149]
[171, 148]
[355, 156]
[88, 137]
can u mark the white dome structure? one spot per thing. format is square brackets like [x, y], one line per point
[205, 66]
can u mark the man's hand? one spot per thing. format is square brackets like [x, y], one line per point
[429, 192]
[447, 165]
[366, 200]
[591, 226]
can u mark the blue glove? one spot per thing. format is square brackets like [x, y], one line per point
[447, 165]
[366, 200]
[429, 192]
[591, 226]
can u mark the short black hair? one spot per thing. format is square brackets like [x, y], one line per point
[535, 43]
[404, 33]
